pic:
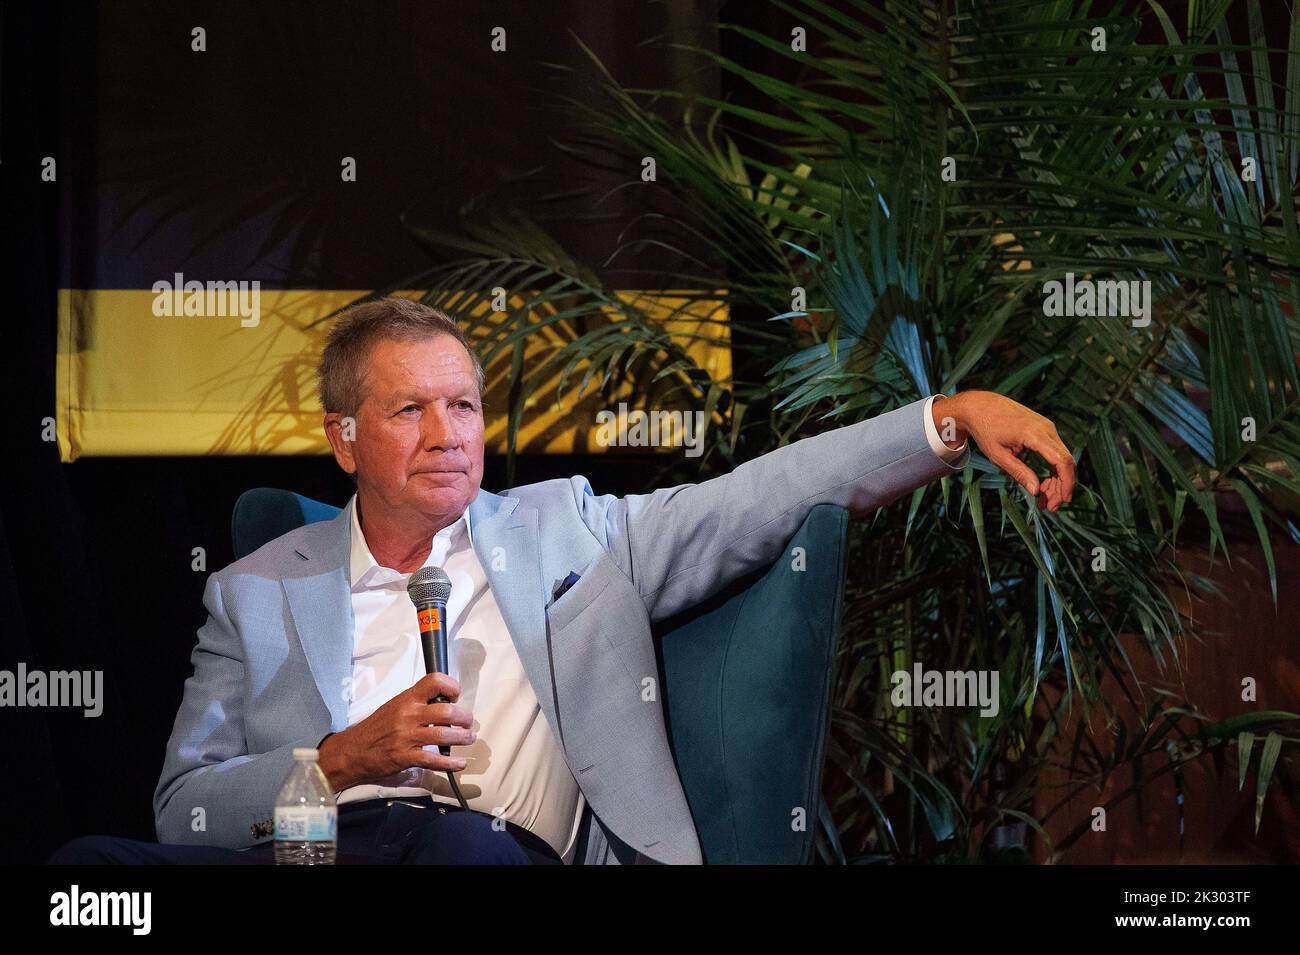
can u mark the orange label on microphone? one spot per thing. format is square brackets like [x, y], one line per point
[429, 619]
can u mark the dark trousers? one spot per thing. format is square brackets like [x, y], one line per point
[407, 831]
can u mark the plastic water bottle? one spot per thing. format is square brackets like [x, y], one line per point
[306, 816]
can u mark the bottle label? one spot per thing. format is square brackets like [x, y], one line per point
[306, 823]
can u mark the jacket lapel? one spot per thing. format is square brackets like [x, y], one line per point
[506, 542]
[320, 601]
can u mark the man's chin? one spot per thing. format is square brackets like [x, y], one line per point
[440, 477]
[445, 499]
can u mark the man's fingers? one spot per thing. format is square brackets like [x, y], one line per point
[437, 684]
[1049, 494]
[446, 714]
[1068, 464]
[1058, 456]
[444, 736]
[1020, 472]
[436, 761]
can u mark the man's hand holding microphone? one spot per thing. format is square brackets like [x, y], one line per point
[393, 737]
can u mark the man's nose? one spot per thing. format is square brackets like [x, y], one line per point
[438, 429]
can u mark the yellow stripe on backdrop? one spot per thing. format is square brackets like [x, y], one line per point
[131, 382]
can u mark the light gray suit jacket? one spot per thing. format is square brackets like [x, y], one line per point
[274, 659]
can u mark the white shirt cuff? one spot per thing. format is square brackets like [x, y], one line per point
[955, 458]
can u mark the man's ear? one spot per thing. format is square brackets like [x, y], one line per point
[341, 432]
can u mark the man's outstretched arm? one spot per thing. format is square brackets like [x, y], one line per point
[682, 544]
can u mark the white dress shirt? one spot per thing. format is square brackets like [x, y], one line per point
[949, 456]
[516, 767]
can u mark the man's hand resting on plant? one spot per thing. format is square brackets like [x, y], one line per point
[1003, 429]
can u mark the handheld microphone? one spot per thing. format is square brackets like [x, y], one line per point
[429, 589]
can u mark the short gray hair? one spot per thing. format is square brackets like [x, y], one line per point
[341, 374]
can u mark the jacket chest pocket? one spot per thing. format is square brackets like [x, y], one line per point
[579, 599]
[599, 630]
[604, 668]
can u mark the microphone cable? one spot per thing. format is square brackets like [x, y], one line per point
[451, 778]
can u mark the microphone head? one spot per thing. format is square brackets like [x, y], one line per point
[429, 585]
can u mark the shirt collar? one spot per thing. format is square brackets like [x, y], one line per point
[367, 574]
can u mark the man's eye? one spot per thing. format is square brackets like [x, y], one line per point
[409, 408]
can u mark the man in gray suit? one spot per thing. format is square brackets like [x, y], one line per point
[311, 641]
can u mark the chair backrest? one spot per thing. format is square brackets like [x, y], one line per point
[746, 681]
[265, 513]
[747, 684]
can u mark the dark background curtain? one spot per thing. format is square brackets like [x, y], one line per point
[171, 160]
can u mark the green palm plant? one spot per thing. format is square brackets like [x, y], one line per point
[884, 229]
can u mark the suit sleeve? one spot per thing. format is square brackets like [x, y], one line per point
[955, 458]
[682, 544]
[212, 791]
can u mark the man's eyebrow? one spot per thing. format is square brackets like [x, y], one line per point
[415, 397]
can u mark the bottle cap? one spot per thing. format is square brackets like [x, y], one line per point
[305, 753]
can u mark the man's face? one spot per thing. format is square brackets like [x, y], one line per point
[419, 430]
